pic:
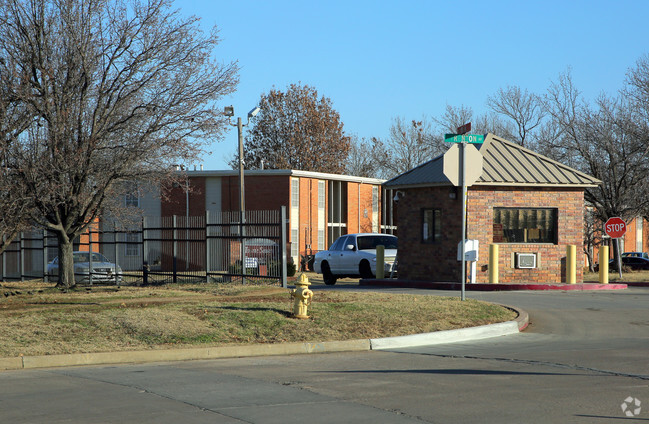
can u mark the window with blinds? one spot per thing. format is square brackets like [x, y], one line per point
[525, 225]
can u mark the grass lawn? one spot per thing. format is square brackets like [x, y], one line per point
[628, 276]
[39, 319]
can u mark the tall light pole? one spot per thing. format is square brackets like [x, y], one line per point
[229, 112]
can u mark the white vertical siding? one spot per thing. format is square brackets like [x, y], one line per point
[213, 194]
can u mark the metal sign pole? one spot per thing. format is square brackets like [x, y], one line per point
[451, 158]
[463, 273]
[618, 254]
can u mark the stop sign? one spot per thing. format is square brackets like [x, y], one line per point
[615, 227]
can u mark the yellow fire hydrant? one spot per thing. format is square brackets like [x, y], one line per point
[302, 297]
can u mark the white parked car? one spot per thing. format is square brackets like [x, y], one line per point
[103, 271]
[354, 255]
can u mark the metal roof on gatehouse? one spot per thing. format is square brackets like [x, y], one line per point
[504, 164]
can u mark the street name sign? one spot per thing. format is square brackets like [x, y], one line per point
[464, 128]
[464, 138]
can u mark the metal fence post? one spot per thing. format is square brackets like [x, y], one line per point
[21, 254]
[116, 251]
[283, 223]
[174, 252]
[145, 261]
[242, 235]
[46, 277]
[90, 256]
[207, 247]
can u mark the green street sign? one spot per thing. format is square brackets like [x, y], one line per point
[464, 138]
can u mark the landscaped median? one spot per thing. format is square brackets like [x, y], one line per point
[44, 327]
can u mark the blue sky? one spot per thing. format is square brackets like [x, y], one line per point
[377, 60]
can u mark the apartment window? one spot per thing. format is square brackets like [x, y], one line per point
[525, 225]
[375, 209]
[337, 209]
[321, 239]
[295, 219]
[322, 224]
[431, 226]
[131, 200]
[295, 246]
[321, 195]
[295, 193]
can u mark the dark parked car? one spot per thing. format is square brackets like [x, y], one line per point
[644, 255]
[634, 262]
[637, 261]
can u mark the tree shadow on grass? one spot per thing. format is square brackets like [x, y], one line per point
[252, 309]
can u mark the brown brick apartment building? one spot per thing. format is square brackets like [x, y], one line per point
[522, 201]
[320, 206]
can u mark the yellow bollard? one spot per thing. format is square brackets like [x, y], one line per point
[571, 264]
[380, 261]
[603, 265]
[493, 263]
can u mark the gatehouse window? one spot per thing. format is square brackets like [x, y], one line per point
[525, 225]
[431, 226]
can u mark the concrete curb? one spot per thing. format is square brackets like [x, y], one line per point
[459, 335]
[491, 287]
[221, 352]
[448, 336]
[141, 356]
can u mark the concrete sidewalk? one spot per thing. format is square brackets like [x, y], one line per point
[145, 356]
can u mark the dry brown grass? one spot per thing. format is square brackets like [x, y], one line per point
[629, 276]
[40, 320]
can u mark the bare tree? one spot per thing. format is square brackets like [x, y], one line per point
[592, 235]
[15, 118]
[523, 108]
[454, 117]
[492, 123]
[362, 160]
[121, 91]
[409, 145]
[608, 141]
[296, 129]
[637, 86]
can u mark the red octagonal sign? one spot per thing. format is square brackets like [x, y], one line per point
[615, 227]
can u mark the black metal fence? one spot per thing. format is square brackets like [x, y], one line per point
[215, 247]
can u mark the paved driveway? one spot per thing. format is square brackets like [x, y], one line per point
[582, 356]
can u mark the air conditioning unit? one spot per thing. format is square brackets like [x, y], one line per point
[526, 260]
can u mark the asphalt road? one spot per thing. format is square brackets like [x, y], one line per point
[582, 356]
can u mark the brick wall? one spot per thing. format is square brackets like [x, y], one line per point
[428, 261]
[175, 202]
[365, 209]
[352, 208]
[551, 257]
[270, 193]
[262, 192]
[359, 202]
[438, 262]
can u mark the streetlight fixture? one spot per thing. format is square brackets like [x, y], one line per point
[229, 112]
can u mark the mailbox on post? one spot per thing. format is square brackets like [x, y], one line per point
[471, 248]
